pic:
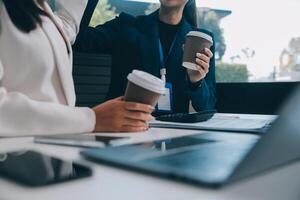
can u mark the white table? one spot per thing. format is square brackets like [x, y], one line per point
[113, 183]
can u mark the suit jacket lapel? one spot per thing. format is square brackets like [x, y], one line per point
[63, 61]
[148, 41]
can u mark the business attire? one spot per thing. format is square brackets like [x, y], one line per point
[133, 43]
[37, 93]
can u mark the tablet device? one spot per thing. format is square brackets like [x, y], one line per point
[82, 140]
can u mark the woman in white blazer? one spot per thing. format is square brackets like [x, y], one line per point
[37, 94]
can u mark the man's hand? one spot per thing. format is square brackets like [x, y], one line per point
[119, 116]
[202, 61]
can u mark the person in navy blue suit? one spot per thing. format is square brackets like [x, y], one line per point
[139, 42]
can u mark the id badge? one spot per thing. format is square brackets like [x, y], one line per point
[165, 102]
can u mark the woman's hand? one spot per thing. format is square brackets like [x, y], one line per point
[119, 116]
[202, 61]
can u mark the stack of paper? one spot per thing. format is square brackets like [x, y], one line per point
[225, 122]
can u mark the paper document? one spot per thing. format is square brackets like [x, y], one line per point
[224, 122]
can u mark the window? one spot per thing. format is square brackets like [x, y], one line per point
[109, 9]
[259, 41]
[256, 41]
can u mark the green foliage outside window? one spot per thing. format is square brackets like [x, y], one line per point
[210, 21]
[227, 72]
[151, 8]
[104, 12]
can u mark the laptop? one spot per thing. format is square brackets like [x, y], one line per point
[213, 159]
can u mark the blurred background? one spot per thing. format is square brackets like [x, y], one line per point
[256, 41]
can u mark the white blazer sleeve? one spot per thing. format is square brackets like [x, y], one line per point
[69, 13]
[22, 116]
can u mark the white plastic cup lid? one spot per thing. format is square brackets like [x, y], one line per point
[147, 81]
[201, 34]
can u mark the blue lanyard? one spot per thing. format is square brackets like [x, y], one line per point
[163, 59]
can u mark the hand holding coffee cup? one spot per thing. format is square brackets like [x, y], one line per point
[197, 55]
[118, 115]
[144, 89]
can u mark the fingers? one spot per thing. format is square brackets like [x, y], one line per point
[119, 116]
[202, 65]
[208, 52]
[135, 123]
[139, 116]
[138, 107]
[133, 129]
[203, 57]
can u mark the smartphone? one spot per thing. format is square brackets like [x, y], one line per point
[31, 168]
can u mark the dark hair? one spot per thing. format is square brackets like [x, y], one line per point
[25, 14]
[190, 13]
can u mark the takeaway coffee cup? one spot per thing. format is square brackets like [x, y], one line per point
[144, 88]
[195, 43]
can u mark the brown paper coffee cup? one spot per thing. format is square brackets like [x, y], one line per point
[144, 88]
[195, 43]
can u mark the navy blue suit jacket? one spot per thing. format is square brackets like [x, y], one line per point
[133, 44]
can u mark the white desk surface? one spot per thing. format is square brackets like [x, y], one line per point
[113, 183]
